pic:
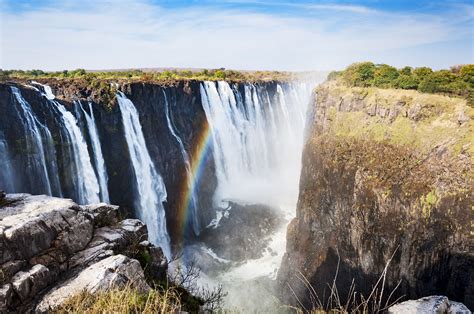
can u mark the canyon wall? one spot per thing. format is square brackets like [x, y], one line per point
[386, 180]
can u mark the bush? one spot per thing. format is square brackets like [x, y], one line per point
[437, 82]
[406, 82]
[359, 74]
[385, 76]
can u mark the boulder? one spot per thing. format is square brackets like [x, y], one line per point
[27, 284]
[114, 271]
[432, 304]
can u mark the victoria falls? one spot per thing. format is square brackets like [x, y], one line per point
[236, 156]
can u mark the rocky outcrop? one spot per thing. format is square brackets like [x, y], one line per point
[52, 248]
[432, 304]
[242, 232]
[386, 178]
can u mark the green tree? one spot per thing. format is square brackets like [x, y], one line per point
[406, 70]
[437, 82]
[466, 73]
[421, 73]
[359, 74]
[385, 76]
[406, 82]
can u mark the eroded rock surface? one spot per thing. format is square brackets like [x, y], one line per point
[386, 176]
[52, 248]
[431, 304]
[243, 232]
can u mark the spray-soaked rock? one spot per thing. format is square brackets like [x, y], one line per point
[243, 232]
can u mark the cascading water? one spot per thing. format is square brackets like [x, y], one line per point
[257, 146]
[86, 183]
[101, 170]
[187, 163]
[40, 150]
[257, 141]
[7, 179]
[149, 184]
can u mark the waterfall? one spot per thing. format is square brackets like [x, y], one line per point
[86, 183]
[40, 150]
[98, 156]
[257, 141]
[149, 184]
[7, 179]
[187, 163]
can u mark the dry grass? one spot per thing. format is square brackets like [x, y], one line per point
[124, 300]
[355, 302]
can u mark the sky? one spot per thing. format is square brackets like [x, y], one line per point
[235, 34]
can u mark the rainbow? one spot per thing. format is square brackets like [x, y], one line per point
[198, 154]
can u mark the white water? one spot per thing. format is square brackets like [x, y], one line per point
[150, 186]
[35, 132]
[98, 156]
[190, 179]
[7, 178]
[86, 183]
[257, 145]
[257, 141]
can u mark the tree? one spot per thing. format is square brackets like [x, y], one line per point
[385, 76]
[406, 70]
[406, 82]
[359, 74]
[437, 82]
[466, 73]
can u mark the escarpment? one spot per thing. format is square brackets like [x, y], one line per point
[386, 184]
[53, 249]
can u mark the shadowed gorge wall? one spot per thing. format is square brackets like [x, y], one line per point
[385, 173]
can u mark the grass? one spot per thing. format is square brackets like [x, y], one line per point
[125, 300]
[374, 302]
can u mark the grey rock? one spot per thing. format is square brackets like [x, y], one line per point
[28, 283]
[8, 269]
[6, 292]
[114, 271]
[432, 304]
[103, 214]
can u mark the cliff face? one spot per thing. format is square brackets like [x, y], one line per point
[387, 174]
[186, 112]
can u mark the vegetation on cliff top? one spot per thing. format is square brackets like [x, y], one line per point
[458, 81]
[141, 75]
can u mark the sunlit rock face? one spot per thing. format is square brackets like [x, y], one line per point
[386, 177]
[53, 248]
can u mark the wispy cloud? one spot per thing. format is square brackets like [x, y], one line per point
[123, 34]
[342, 8]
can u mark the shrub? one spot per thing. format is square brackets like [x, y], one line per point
[437, 82]
[359, 74]
[385, 76]
[406, 82]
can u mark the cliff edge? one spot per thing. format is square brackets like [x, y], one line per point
[386, 180]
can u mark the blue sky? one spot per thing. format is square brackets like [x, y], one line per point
[237, 34]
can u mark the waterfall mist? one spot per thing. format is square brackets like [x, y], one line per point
[257, 140]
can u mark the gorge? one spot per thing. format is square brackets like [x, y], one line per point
[213, 170]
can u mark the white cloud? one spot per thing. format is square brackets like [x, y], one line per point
[104, 34]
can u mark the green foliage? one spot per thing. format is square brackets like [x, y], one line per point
[406, 82]
[139, 75]
[385, 76]
[458, 81]
[359, 74]
[437, 82]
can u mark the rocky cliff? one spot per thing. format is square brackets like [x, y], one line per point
[387, 178]
[52, 249]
